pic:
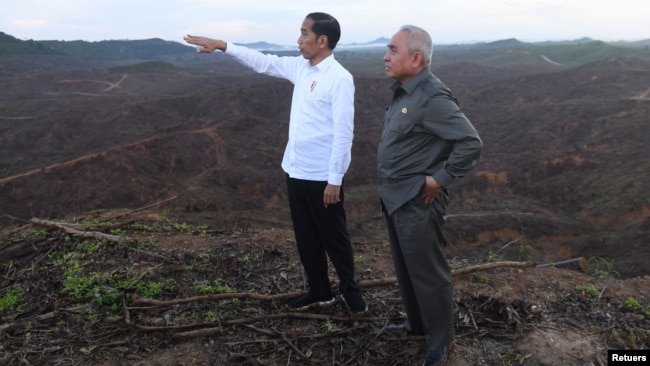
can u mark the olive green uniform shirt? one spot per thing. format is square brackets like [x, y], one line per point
[424, 134]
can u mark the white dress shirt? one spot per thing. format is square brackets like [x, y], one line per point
[321, 122]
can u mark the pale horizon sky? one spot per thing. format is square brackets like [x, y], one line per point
[242, 21]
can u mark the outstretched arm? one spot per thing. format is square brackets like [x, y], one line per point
[208, 45]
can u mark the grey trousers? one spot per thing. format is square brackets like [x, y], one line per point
[417, 240]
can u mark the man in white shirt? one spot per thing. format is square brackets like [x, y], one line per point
[317, 154]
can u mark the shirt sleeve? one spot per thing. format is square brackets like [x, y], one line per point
[272, 65]
[445, 119]
[343, 129]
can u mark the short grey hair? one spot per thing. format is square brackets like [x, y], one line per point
[419, 40]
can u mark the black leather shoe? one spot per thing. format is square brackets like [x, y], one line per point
[356, 304]
[310, 301]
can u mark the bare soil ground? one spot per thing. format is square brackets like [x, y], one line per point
[183, 294]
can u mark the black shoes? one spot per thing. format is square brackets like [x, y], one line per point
[356, 304]
[311, 301]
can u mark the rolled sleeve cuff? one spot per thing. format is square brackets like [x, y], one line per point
[335, 179]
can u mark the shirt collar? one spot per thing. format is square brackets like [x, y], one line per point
[326, 63]
[410, 85]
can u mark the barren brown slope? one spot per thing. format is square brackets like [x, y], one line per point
[563, 173]
[213, 144]
[565, 147]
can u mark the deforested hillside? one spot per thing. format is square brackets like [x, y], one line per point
[143, 215]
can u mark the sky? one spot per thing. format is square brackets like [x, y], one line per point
[244, 21]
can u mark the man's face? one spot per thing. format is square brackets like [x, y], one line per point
[398, 63]
[309, 43]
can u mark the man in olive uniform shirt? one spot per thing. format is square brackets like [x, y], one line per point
[426, 144]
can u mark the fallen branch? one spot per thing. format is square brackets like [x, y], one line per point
[42, 317]
[281, 297]
[486, 266]
[239, 295]
[13, 218]
[218, 329]
[456, 272]
[68, 228]
[298, 351]
[206, 332]
[581, 262]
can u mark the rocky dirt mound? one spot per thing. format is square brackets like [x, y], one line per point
[139, 288]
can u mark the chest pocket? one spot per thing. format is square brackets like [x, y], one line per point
[317, 92]
[404, 120]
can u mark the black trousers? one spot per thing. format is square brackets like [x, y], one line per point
[417, 240]
[321, 232]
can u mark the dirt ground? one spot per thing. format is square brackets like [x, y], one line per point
[186, 295]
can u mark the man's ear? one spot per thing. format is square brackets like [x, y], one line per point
[323, 41]
[418, 59]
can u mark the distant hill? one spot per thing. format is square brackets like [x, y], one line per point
[379, 42]
[513, 51]
[508, 51]
[116, 50]
[10, 45]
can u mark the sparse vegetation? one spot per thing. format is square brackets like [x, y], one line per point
[218, 287]
[329, 326]
[477, 278]
[524, 252]
[589, 290]
[641, 307]
[149, 289]
[601, 268]
[10, 299]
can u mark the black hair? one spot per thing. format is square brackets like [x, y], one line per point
[325, 24]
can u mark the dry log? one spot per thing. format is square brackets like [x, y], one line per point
[486, 266]
[20, 250]
[81, 233]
